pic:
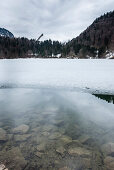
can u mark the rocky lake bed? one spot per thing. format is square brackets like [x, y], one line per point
[56, 114]
[50, 132]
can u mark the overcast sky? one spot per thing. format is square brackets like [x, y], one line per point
[57, 19]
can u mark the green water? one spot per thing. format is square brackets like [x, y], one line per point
[45, 129]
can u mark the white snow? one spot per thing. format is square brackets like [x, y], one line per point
[110, 54]
[88, 74]
[2, 167]
[58, 55]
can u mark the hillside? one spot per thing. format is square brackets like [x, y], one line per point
[6, 33]
[97, 40]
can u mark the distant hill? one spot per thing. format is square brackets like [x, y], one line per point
[6, 33]
[96, 40]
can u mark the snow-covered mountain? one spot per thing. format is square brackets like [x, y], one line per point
[6, 33]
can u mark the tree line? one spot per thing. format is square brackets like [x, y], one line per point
[23, 47]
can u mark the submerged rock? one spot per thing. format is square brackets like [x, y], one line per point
[76, 143]
[21, 138]
[87, 140]
[21, 129]
[58, 122]
[79, 151]
[3, 135]
[62, 131]
[41, 147]
[87, 163]
[39, 154]
[60, 150]
[64, 168]
[109, 163]
[66, 139]
[48, 128]
[55, 135]
[45, 133]
[36, 129]
[13, 159]
[10, 136]
[84, 138]
[108, 149]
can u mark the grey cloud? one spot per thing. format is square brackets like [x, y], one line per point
[57, 19]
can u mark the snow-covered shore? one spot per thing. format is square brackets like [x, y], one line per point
[90, 75]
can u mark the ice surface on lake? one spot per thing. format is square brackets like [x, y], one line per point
[63, 73]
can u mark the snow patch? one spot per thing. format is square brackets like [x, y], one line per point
[2, 167]
[109, 54]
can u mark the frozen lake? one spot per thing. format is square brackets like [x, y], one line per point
[88, 75]
[50, 118]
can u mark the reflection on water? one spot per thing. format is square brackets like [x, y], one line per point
[47, 129]
[108, 98]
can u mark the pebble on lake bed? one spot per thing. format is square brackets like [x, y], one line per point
[39, 154]
[55, 135]
[13, 158]
[60, 150]
[108, 148]
[48, 128]
[21, 129]
[109, 162]
[66, 139]
[41, 147]
[3, 135]
[64, 168]
[79, 151]
[21, 138]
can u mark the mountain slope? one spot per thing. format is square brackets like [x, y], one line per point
[100, 33]
[97, 39]
[6, 33]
